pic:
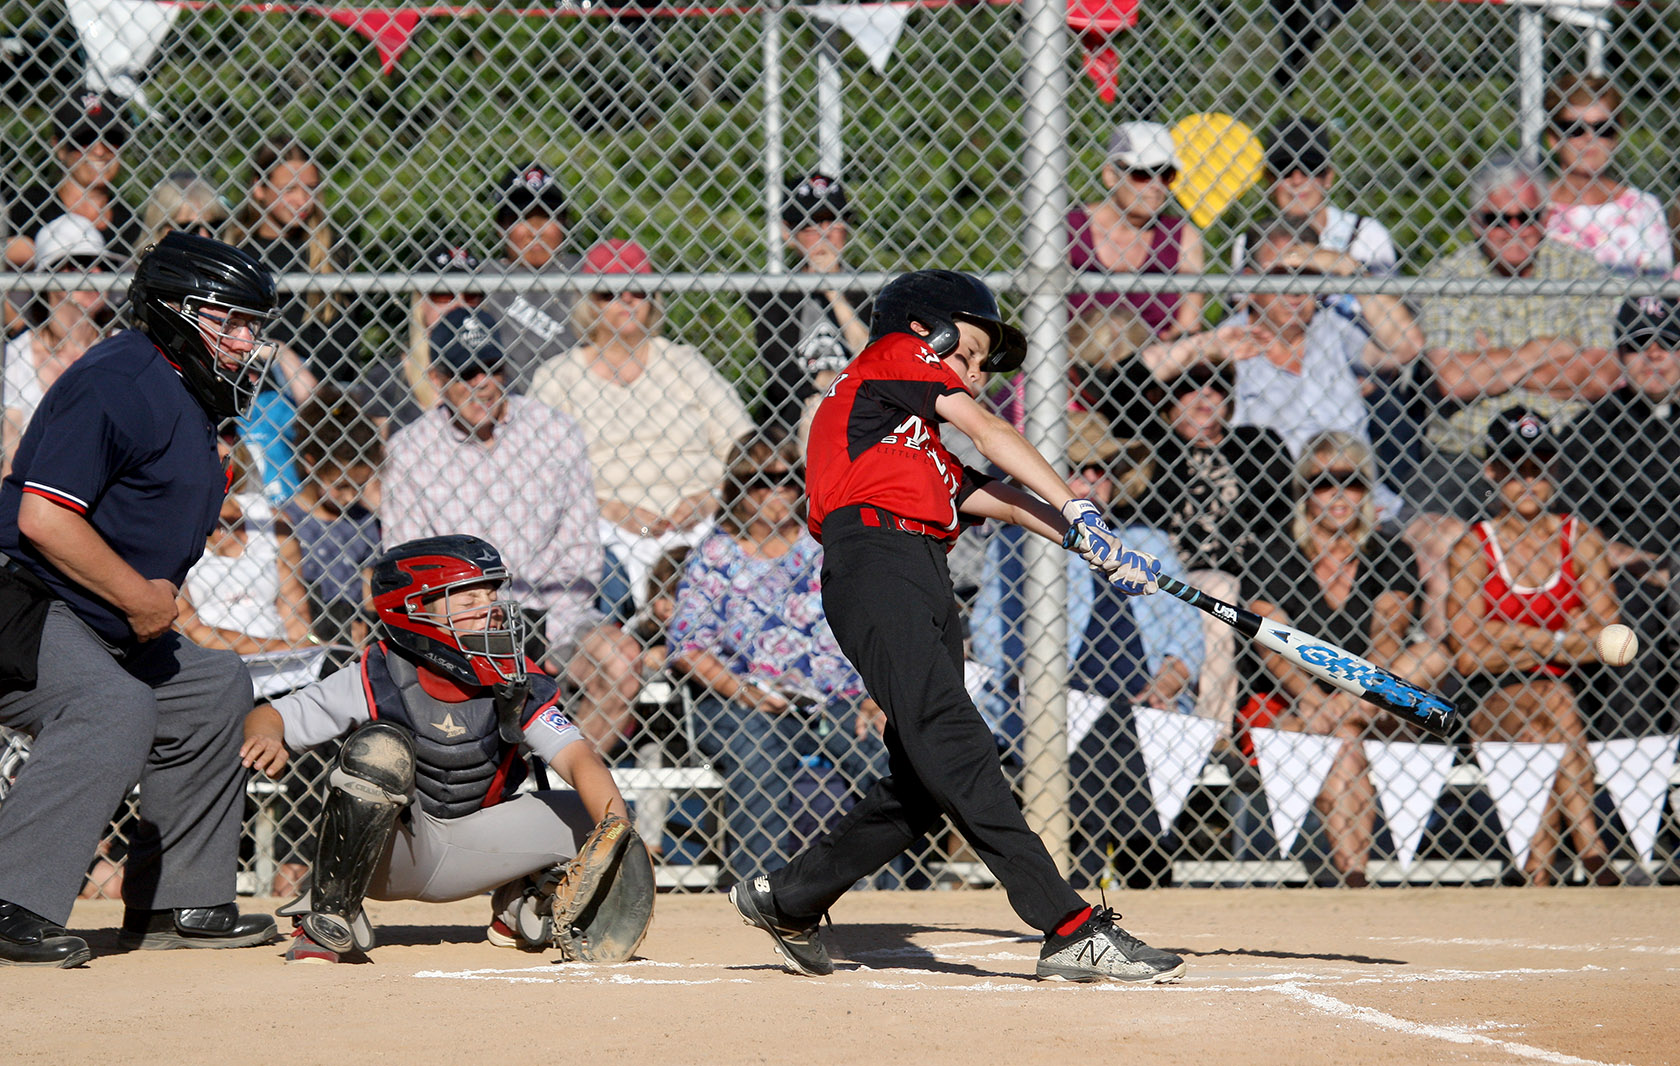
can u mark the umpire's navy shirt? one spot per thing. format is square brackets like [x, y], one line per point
[119, 440]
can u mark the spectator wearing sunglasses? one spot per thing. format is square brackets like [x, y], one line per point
[1299, 177]
[1592, 208]
[1490, 350]
[750, 629]
[1337, 572]
[1306, 379]
[1621, 472]
[186, 202]
[1132, 230]
[660, 420]
[1531, 589]
[60, 325]
[89, 132]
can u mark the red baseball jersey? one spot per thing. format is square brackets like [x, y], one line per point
[875, 440]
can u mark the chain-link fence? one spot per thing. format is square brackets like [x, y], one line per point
[1285, 266]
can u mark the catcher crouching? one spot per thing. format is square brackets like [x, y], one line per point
[436, 719]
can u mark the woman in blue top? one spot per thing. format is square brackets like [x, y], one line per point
[750, 628]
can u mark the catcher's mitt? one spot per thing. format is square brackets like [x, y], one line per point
[603, 899]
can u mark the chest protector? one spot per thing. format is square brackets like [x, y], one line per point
[461, 762]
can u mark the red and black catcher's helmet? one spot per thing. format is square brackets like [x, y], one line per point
[413, 573]
[939, 299]
[183, 274]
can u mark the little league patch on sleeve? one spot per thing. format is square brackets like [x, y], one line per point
[555, 719]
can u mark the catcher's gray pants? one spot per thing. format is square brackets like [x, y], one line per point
[170, 715]
[441, 859]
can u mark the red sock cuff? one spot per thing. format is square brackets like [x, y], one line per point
[1073, 921]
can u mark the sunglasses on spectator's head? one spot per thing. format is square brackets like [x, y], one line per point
[1294, 272]
[1510, 219]
[1333, 479]
[1142, 175]
[1606, 128]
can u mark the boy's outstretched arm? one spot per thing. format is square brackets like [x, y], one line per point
[1009, 503]
[1133, 572]
[999, 442]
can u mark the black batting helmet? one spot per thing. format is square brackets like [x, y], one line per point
[415, 572]
[939, 299]
[184, 274]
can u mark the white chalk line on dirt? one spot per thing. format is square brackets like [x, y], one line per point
[1454, 1034]
[1530, 945]
[1290, 985]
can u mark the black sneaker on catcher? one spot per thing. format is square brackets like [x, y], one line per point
[1099, 950]
[798, 944]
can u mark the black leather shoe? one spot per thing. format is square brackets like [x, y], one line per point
[195, 927]
[27, 939]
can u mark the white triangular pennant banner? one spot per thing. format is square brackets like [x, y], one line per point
[120, 38]
[874, 28]
[1409, 779]
[1519, 778]
[1292, 771]
[1175, 747]
[1083, 710]
[1637, 773]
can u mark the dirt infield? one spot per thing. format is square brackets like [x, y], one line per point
[1417, 976]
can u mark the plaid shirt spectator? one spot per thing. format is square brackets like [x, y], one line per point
[530, 492]
[1496, 319]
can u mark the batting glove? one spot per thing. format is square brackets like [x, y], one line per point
[1134, 572]
[1089, 535]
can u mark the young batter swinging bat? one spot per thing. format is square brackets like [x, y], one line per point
[1337, 666]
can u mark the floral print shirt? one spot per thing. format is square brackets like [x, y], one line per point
[1628, 235]
[763, 618]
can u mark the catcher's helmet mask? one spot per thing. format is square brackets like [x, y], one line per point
[207, 304]
[413, 586]
[938, 300]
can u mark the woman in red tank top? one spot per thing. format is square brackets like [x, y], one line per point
[1530, 591]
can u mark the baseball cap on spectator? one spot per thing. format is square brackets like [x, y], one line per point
[445, 258]
[89, 118]
[529, 190]
[1648, 320]
[814, 199]
[70, 242]
[464, 342]
[1298, 144]
[1142, 146]
[1519, 433]
[617, 256]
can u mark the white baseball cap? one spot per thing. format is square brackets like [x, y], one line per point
[68, 237]
[1142, 146]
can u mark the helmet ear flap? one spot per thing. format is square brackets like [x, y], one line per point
[944, 338]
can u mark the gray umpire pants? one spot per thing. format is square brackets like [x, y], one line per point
[169, 715]
[436, 860]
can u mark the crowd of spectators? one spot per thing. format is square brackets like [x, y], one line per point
[1322, 458]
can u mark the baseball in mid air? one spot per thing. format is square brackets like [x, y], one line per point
[1616, 645]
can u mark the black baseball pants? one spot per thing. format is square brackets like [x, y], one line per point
[888, 598]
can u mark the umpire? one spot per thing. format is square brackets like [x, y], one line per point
[115, 486]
